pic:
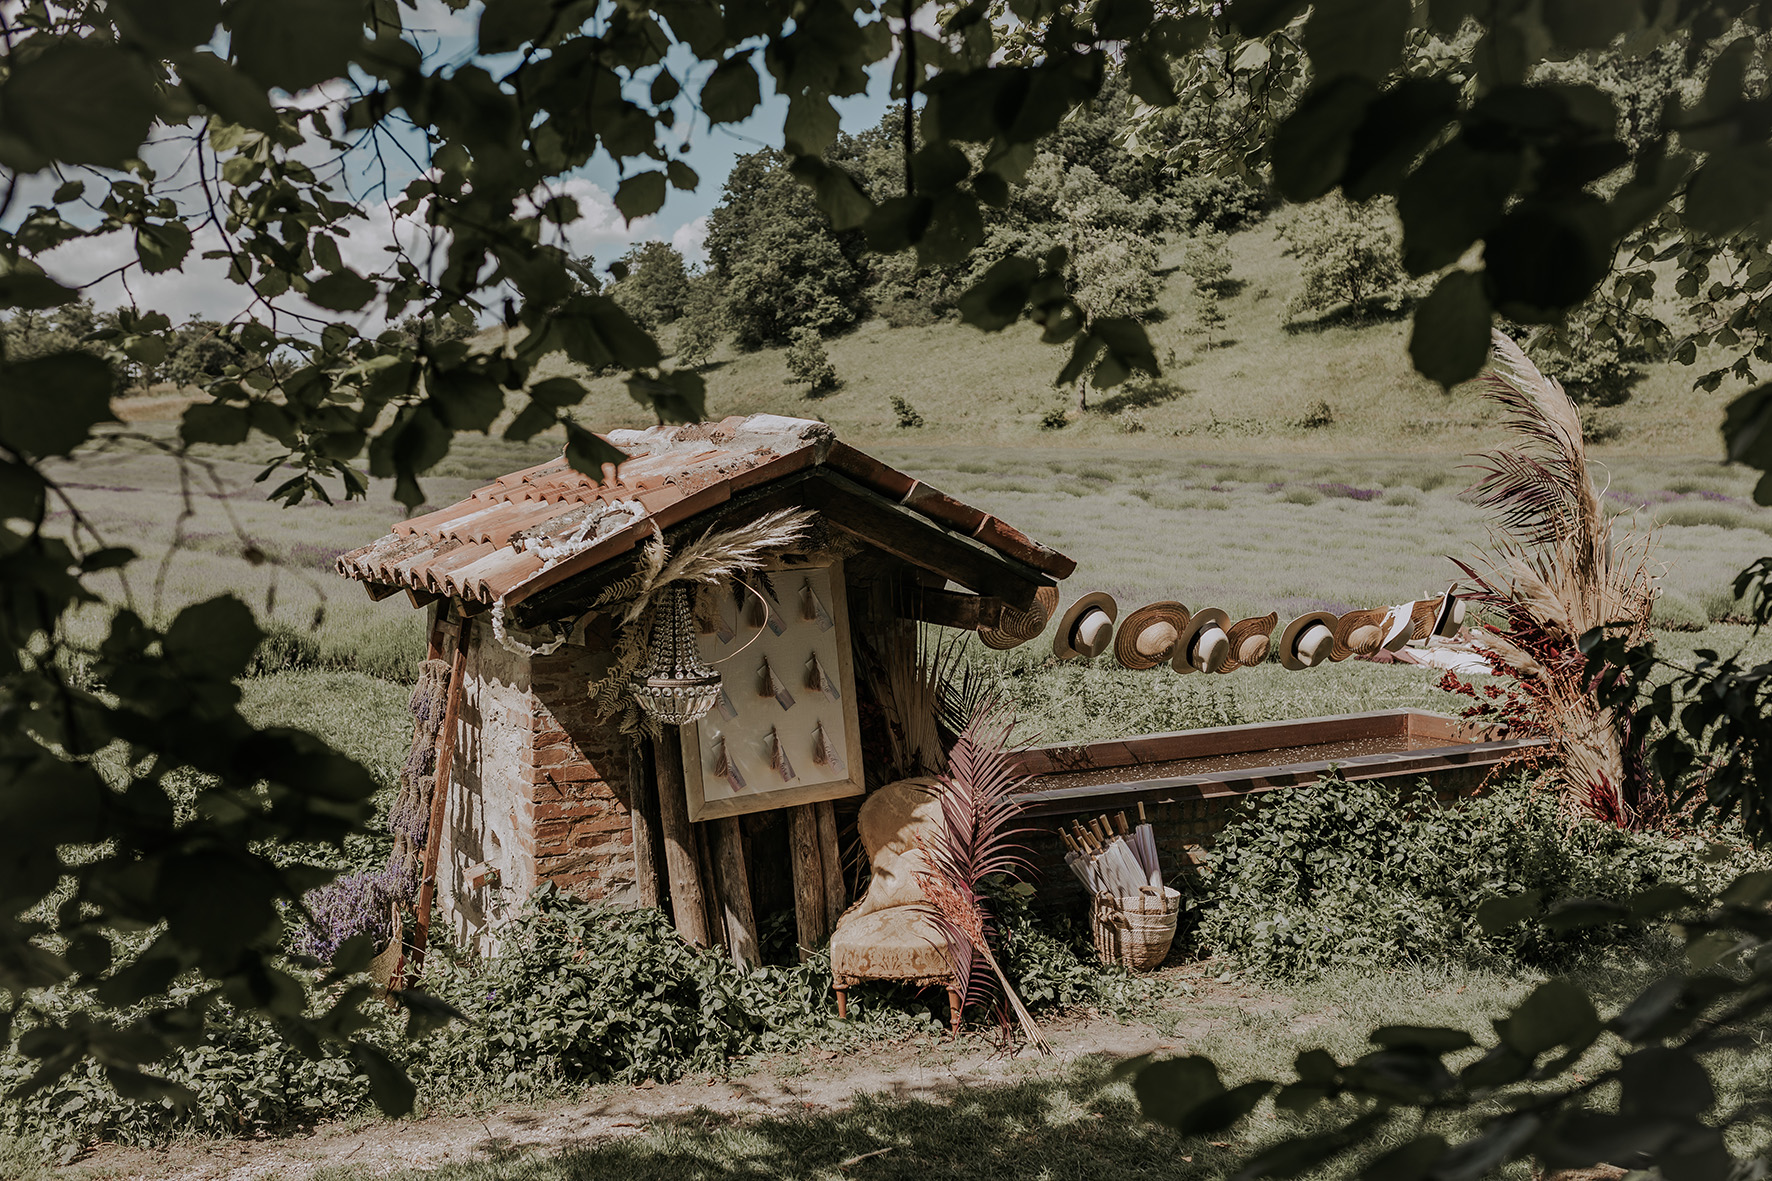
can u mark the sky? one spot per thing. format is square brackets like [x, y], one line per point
[202, 288]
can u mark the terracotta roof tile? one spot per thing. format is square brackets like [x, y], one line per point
[533, 528]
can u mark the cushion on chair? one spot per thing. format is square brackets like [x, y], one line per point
[888, 824]
[898, 943]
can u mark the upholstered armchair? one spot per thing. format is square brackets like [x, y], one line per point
[891, 933]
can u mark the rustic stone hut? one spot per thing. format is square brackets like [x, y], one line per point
[742, 814]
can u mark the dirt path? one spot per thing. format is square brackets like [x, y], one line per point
[921, 1067]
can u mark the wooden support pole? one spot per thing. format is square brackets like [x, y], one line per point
[732, 880]
[688, 900]
[836, 892]
[427, 882]
[809, 898]
[643, 819]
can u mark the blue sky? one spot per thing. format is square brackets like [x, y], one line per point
[202, 288]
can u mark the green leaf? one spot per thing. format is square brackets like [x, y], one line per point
[48, 406]
[465, 399]
[587, 452]
[81, 102]
[835, 190]
[1664, 1081]
[1730, 190]
[1556, 1014]
[1450, 344]
[214, 422]
[811, 124]
[294, 44]
[506, 25]
[731, 92]
[26, 286]
[215, 638]
[1750, 889]
[392, 1090]
[1363, 37]
[172, 24]
[162, 246]
[1312, 147]
[1576, 913]
[640, 195]
[341, 291]
[1747, 431]
[1397, 125]
[228, 93]
[1454, 197]
[997, 298]
[1543, 258]
[682, 176]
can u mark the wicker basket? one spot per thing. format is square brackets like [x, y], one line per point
[1135, 932]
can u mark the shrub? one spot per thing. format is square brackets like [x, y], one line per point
[906, 312]
[908, 418]
[698, 335]
[654, 284]
[1300, 494]
[808, 363]
[1349, 254]
[284, 649]
[1207, 262]
[1675, 612]
[1055, 419]
[1316, 416]
[1342, 873]
[1213, 202]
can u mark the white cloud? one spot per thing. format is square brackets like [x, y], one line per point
[691, 240]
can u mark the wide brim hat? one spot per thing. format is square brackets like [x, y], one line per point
[1448, 616]
[1422, 615]
[1289, 657]
[1073, 615]
[1203, 620]
[1352, 637]
[1251, 641]
[1016, 626]
[1399, 627]
[1147, 636]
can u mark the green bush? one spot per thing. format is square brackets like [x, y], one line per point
[1339, 874]
[908, 418]
[285, 648]
[808, 363]
[1350, 255]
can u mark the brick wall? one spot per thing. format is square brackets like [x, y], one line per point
[538, 791]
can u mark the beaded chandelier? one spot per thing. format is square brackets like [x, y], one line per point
[675, 685]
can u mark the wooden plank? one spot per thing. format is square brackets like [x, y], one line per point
[809, 897]
[643, 822]
[836, 890]
[422, 598]
[381, 590]
[952, 609]
[688, 899]
[713, 913]
[914, 538]
[427, 882]
[732, 879]
[1214, 740]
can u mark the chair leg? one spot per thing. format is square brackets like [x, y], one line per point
[954, 1010]
[842, 1003]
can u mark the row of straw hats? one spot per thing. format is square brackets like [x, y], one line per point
[1207, 640]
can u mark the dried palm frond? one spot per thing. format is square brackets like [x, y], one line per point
[1554, 569]
[975, 841]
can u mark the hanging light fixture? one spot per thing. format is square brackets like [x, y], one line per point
[675, 685]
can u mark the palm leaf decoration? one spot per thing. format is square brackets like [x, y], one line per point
[1554, 569]
[976, 841]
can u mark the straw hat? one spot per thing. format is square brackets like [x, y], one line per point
[1399, 627]
[1205, 644]
[1018, 626]
[1448, 616]
[1087, 626]
[1251, 641]
[1147, 636]
[1307, 640]
[1421, 614]
[1358, 633]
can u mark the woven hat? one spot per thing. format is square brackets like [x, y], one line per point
[1399, 627]
[1422, 613]
[1307, 640]
[1147, 636]
[1251, 641]
[1087, 626]
[1448, 616]
[1358, 633]
[1019, 625]
[1205, 644]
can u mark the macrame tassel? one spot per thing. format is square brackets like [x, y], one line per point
[778, 757]
[725, 706]
[824, 751]
[812, 608]
[820, 681]
[769, 685]
[756, 611]
[725, 767]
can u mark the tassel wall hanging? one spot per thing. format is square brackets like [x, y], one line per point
[778, 757]
[824, 751]
[770, 685]
[725, 767]
[812, 608]
[820, 681]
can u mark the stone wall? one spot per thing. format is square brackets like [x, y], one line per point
[538, 791]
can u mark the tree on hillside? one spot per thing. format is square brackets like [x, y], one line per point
[808, 363]
[139, 798]
[202, 351]
[655, 288]
[779, 263]
[1207, 261]
[1349, 256]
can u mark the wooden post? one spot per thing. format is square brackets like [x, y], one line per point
[687, 898]
[713, 912]
[836, 892]
[809, 898]
[726, 844]
[643, 818]
[427, 882]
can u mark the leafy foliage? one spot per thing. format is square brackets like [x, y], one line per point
[1344, 874]
[1350, 256]
[808, 363]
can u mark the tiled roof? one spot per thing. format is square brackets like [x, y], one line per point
[542, 525]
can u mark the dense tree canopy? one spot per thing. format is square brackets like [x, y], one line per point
[273, 136]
